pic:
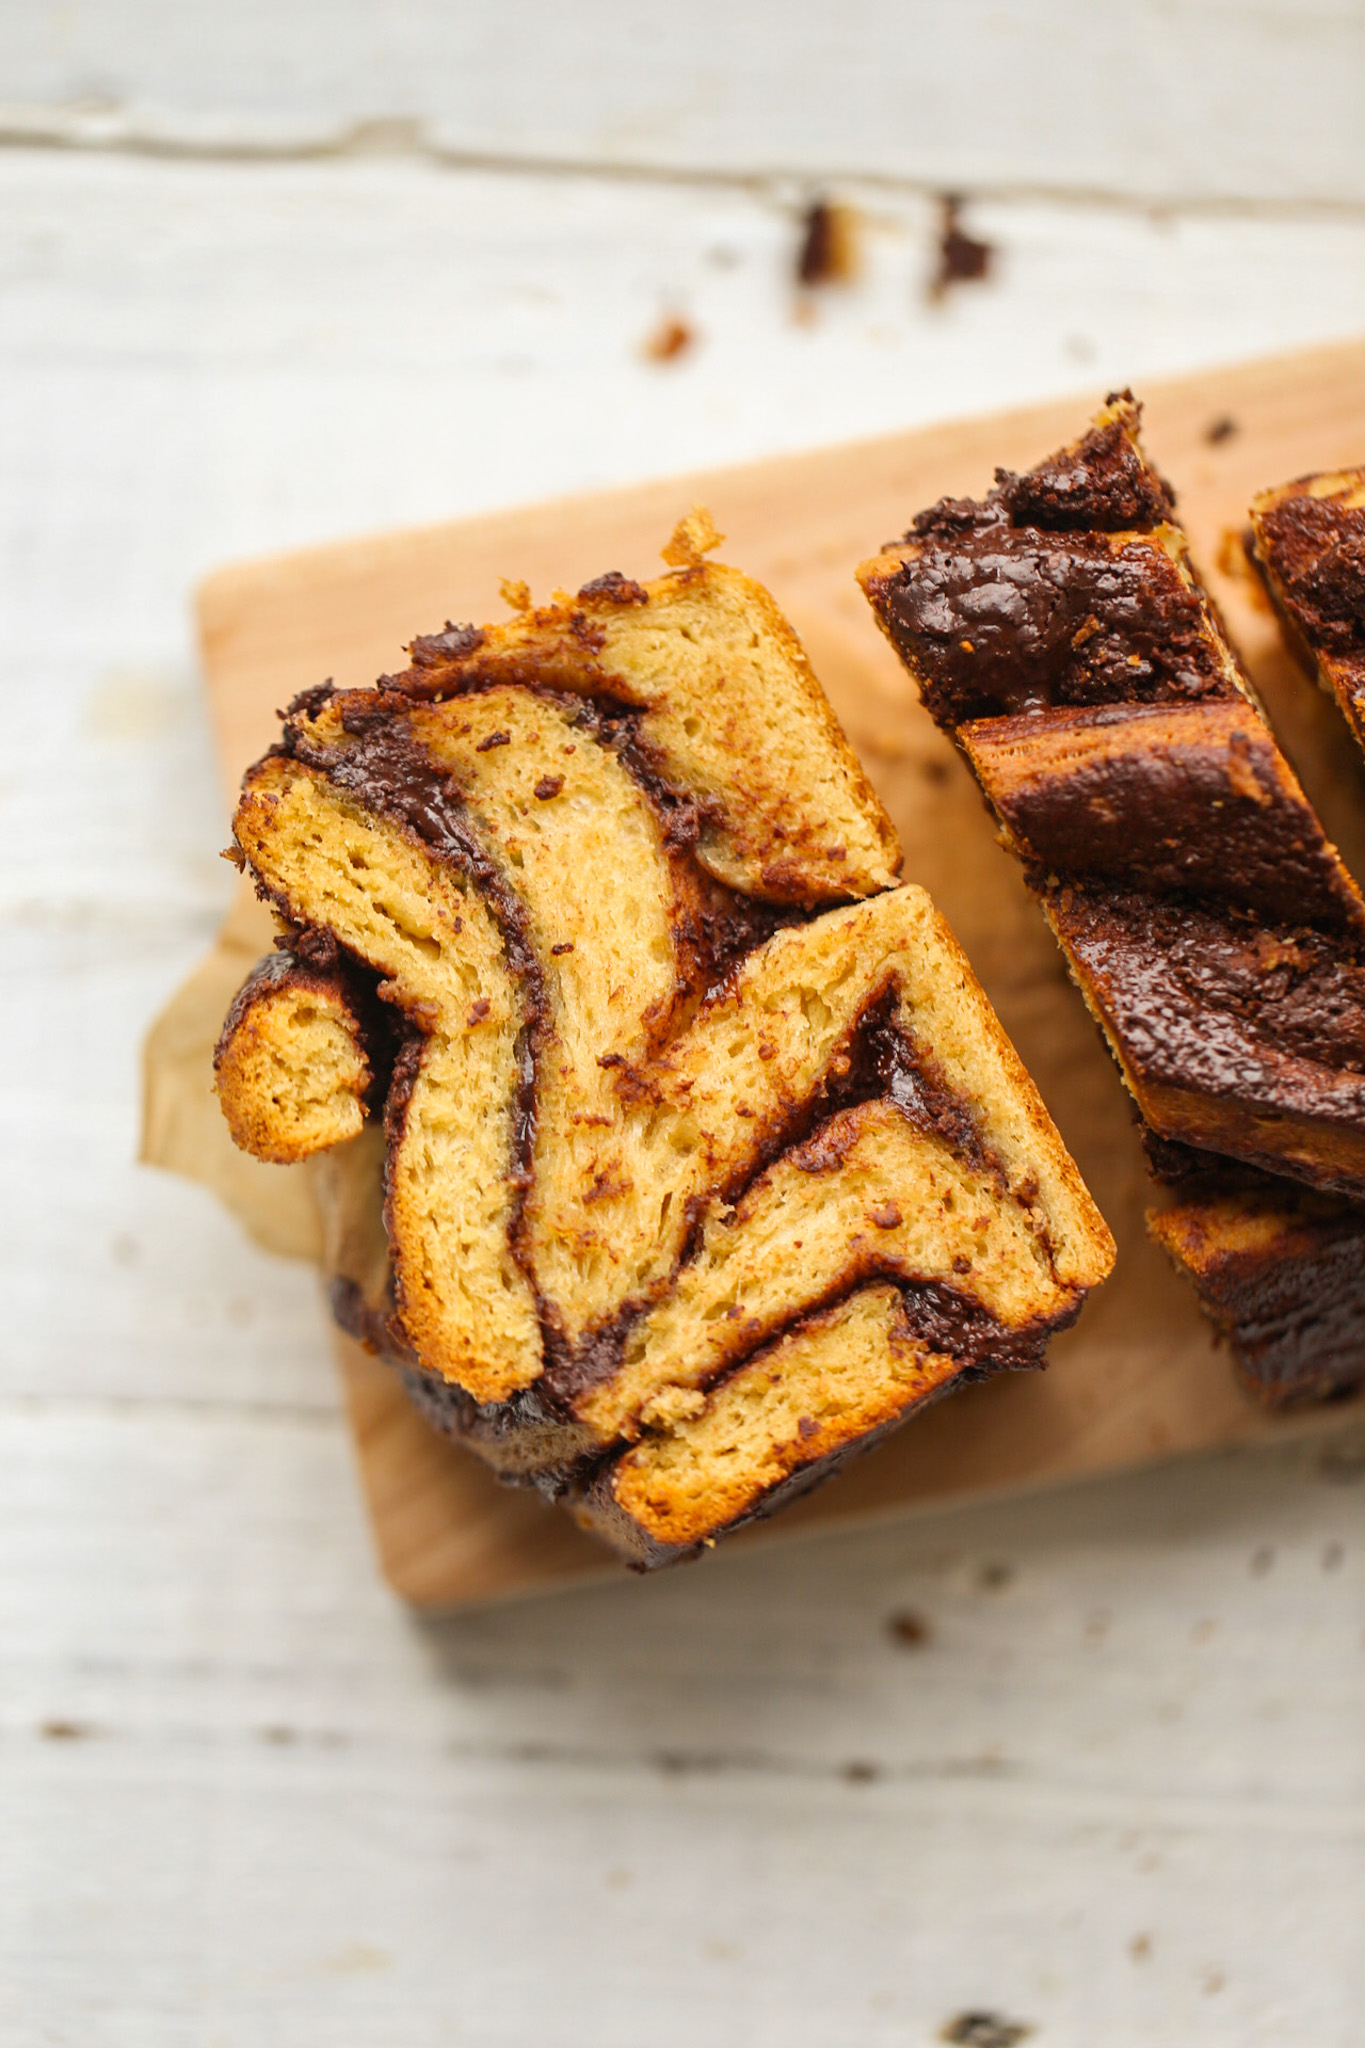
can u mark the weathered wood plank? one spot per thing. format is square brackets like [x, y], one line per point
[1120, 1790]
[260, 356]
[1098, 1780]
[1196, 100]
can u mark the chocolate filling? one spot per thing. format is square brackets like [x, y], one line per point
[1101, 485]
[616, 587]
[1174, 804]
[430, 655]
[944, 1320]
[1331, 650]
[998, 618]
[1291, 1306]
[892, 1063]
[1202, 908]
[389, 772]
[308, 958]
[1316, 547]
[269, 973]
[1023, 600]
[879, 1061]
[1297, 1320]
[1224, 1003]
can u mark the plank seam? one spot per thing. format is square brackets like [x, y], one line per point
[43, 130]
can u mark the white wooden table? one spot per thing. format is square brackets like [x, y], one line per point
[276, 272]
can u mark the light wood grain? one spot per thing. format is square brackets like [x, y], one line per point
[273, 355]
[1117, 1793]
[1140, 1378]
[1188, 100]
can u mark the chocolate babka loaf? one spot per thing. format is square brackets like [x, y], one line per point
[1058, 632]
[703, 1159]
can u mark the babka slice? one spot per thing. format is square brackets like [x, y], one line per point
[1279, 1270]
[1308, 543]
[704, 1158]
[1059, 633]
[1284, 1272]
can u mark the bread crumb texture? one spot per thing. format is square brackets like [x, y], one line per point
[700, 1156]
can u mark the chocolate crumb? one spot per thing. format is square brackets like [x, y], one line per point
[829, 244]
[984, 2030]
[316, 946]
[860, 1772]
[669, 340]
[591, 637]
[1221, 429]
[308, 703]
[807, 1427]
[616, 588]
[494, 739]
[478, 1011]
[548, 786]
[887, 1216]
[432, 650]
[911, 1631]
[961, 258]
[564, 946]
[65, 1731]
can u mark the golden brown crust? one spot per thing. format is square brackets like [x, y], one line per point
[790, 1413]
[731, 710]
[291, 1068]
[426, 929]
[1278, 1270]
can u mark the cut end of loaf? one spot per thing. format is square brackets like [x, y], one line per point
[705, 1160]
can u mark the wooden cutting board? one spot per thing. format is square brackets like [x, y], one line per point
[1139, 1378]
